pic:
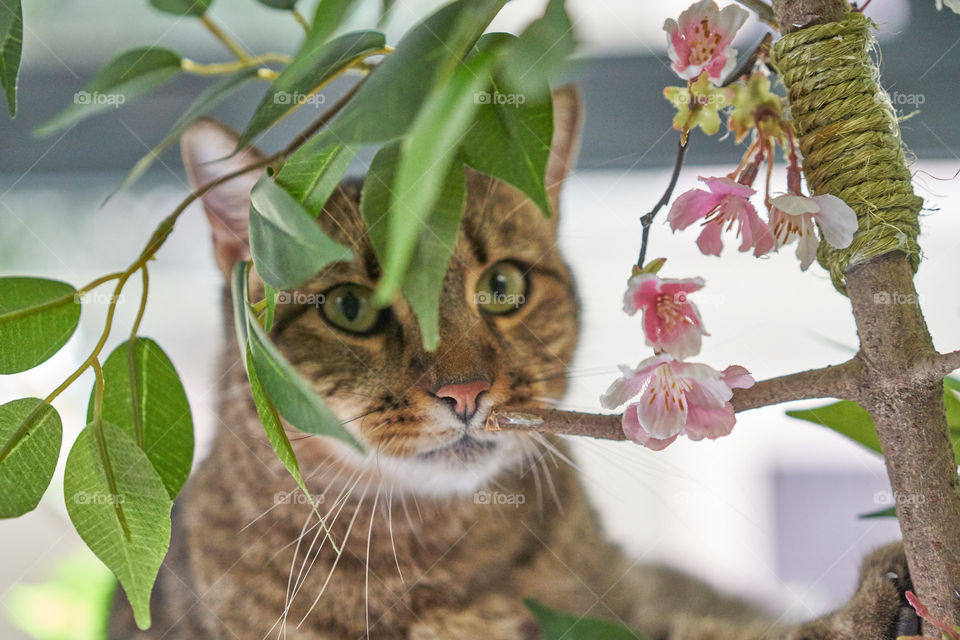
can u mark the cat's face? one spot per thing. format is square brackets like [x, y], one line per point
[508, 326]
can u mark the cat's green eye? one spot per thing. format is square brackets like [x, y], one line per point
[502, 289]
[347, 307]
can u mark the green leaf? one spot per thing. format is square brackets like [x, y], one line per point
[555, 625]
[542, 50]
[128, 75]
[209, 98]
[286, 5]
[427, 155]
[270, 306]
[30, 434]
[510, 139]
[11, 48]
[312, 173]
[424, 60]
[182, 7]
[424, 281]
[37, 317]
[328, 17]
[120, 508]
[272, 425]
[287, 244]
[845, 417]
[315, 65]
[143, 396]
[293, 396]
[889, 512]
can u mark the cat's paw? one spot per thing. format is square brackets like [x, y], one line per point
[877, 610]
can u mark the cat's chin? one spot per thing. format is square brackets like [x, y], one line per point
[460, 467]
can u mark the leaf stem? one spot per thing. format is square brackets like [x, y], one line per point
[300, 20]
[143, 302]
[101, 439]
[221, 68]
[226, 40]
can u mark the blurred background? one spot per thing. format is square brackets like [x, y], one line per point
[769, 513]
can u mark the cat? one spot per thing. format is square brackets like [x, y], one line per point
[437, 537]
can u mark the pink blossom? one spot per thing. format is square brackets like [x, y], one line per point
[675, 398]
[727, 203]
[792, 217]
[701, 40]
[671, 323]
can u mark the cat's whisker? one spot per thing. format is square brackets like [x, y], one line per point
[366, 576]
[553, 488]
[393, 544]
[304, 569]
[536, 482]
[340, 502]
[336, 561]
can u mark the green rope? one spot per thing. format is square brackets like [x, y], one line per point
[850, 139]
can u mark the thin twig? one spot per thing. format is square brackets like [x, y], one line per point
[762, 9]
[835, 381]
[647, 219]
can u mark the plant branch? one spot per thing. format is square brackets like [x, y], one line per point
[165, 228]
[226, 40]
[220, 68]
[835, 381]
[647, 219]
[763, 10]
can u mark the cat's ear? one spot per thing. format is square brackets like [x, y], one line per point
[567, 122]
[206, 147]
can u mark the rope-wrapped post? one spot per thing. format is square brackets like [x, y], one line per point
[849, 138]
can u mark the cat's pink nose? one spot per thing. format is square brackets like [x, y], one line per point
[463, 397]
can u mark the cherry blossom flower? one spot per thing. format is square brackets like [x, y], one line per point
[671, 323]
[701, 40]
[675, 398]
[727, 203]
[792, 217]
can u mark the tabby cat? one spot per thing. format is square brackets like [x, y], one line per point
[422, 555]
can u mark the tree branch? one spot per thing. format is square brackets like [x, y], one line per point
[905, 400]
[835, 381]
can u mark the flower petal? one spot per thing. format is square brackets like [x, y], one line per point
[691, 206]
[795, 205]
[635, 432]
[710, 423]
[709, 240]
[838, 221]
[737, 377]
